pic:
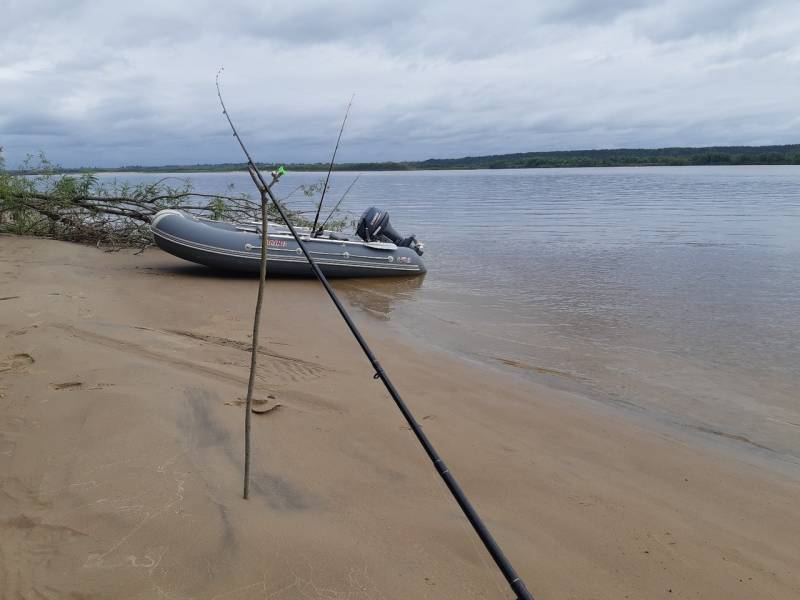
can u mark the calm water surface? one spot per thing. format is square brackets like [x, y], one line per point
[673, 291]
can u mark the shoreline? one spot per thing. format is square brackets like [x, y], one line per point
[121, 442]
[712, 436]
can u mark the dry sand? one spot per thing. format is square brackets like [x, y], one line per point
[121, 444]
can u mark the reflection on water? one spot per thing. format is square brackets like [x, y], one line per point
[672, 290]
[379, 296]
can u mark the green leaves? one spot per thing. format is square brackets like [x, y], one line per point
[218, 209]
[40, 200]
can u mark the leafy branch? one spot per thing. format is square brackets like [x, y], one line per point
[46, 202]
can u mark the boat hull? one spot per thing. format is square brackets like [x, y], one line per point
[230, 247]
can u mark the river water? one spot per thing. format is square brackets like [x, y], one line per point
[671, 291]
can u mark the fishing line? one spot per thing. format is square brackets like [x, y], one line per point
[335, 208]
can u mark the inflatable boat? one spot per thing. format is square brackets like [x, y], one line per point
[376, 250]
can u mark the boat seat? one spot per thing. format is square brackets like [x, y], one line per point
[338, 236]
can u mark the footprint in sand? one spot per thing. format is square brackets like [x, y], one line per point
[67, 385]
[22, 330]
[100, 386]
[16, 363]
[79, 385]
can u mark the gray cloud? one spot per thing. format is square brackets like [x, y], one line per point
[591, 12]
[106, 83]
[684, 19]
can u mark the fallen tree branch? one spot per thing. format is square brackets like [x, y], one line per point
[46, 203]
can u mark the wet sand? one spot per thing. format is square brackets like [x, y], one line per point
[121, 380]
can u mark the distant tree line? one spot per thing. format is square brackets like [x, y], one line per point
[632, 157]
[624, 157]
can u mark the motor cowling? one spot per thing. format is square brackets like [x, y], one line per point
[373, 226]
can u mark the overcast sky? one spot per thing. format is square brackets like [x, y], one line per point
[116, 83]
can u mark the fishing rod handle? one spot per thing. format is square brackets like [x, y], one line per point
[512, 578]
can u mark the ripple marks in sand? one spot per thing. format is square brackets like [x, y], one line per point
[296, 369]
[275, 369]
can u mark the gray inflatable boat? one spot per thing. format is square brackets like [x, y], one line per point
[376, 251]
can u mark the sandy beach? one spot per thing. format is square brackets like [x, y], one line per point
[121, 384]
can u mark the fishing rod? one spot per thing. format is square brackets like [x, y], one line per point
[330, 167]
[514, 581]
[335, 208]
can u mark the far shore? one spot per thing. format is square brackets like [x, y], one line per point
[121, 386]
[618, 157]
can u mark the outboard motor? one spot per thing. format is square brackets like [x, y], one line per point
[373, 226]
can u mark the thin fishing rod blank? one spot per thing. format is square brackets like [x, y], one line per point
[514, 580]
[330, 167]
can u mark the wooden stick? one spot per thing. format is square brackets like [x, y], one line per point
[254, 352]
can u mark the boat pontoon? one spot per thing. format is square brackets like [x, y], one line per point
[376, 249]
